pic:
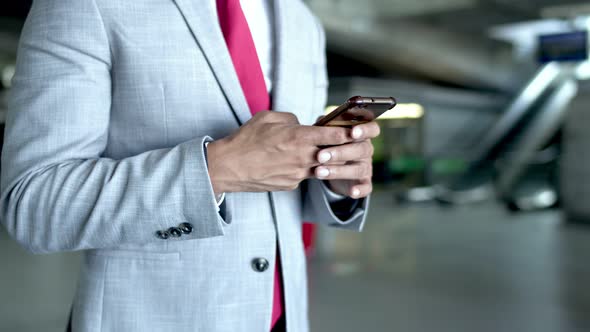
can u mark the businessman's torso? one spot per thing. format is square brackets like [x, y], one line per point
[172, 80]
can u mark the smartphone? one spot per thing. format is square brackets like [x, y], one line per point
[357, 110]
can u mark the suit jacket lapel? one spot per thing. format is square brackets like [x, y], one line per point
[280, 98]
[201, 17]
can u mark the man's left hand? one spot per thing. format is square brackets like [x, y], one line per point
[348, 168]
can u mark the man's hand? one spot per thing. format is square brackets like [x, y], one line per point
[273, 152]
[349, 167]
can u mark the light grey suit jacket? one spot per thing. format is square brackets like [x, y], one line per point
[112, 103]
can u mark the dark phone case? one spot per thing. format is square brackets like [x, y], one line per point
[357, 110]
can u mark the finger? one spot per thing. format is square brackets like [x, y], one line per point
[365, 131]
[361, 190]
[346, 152]
[352, 171]
[326, 136]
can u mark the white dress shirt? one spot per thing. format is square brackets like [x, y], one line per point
[260, 17]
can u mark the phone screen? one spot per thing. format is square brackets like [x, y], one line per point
[357, 110]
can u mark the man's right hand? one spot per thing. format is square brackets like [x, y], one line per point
[271, 152]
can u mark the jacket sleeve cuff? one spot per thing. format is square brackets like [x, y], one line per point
[219, 198]
[204, 217]
[318, 208]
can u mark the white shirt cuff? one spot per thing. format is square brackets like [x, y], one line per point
[219, 198]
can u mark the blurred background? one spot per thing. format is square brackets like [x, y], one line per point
[478, 221]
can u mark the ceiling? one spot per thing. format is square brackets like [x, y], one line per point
[388, 9]
[485, 14]
[439, 40]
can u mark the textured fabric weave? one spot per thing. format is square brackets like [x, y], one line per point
[247, 65]
[104, 146]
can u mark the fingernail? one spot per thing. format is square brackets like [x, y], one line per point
[323, 172]
[357, 133]
[356, 192]
[324, 157]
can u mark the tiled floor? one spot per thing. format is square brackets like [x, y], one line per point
[414, 269]
[35, 291]
[476, 268]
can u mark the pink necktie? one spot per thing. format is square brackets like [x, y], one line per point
[245, 59]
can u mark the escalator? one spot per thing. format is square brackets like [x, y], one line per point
[516, 160]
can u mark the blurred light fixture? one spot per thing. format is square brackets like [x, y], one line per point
[400, 111]
[330, 108]
[524, 35]
[583, 71]
[6, 75]
[404, 111]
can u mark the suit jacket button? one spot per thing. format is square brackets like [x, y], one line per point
[259, 264]
[186, 228]
[163, 235]
[174, 231]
